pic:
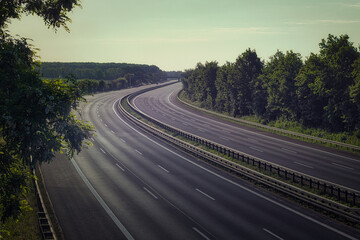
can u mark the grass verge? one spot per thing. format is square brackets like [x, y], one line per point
[352, 138]
[27, 226]
[245, 164]
[250, 166]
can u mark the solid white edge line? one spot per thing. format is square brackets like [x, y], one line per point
[102, 202]
[207, 195]
[272, 234]
[200, 233]
[265, 136]
[238, 185]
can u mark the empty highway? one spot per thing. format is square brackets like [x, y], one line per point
[328, 164]
[131, 186]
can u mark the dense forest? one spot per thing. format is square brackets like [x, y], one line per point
[321, 92]
[98, 77]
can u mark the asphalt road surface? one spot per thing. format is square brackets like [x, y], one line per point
[131, 186]
[328, 164]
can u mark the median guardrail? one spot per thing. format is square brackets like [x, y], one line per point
[351, 196]
[349, 213]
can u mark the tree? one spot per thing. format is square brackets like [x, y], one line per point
[199, 83]
[340, 56]
[279, 75]
[36, 117]
[355, 90]
[209, 77]
[52, 12]
[311, 92]
[222, 101]
[248, 67]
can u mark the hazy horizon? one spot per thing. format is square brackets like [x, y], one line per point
[177, 35]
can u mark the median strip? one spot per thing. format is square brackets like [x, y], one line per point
[308, 189]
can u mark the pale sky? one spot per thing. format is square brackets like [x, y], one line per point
[175, 35]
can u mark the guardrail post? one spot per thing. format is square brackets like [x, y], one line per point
[354, 200]
[331, 190]
[350, 196]
[346, 195]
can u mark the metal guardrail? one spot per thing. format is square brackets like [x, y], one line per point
[45, 225]
[301, 135]
[352, 196]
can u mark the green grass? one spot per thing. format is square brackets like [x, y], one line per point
[250, 166]
[266, 172]
[27, 226]
[352, 138]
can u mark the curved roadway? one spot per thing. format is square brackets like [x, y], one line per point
[328, 164]
[131, 186]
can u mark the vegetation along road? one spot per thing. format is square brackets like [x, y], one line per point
[135, 187]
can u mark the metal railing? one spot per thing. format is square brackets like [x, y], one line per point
[46, 227]
[338, 192]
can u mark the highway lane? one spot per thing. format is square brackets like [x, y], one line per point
[157, 192]
[328, 164]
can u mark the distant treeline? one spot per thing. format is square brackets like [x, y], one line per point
[323, 91]
[98, 77]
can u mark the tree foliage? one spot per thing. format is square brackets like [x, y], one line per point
[323, 91]
[36, 116]
[103, 71]
[54, 13]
